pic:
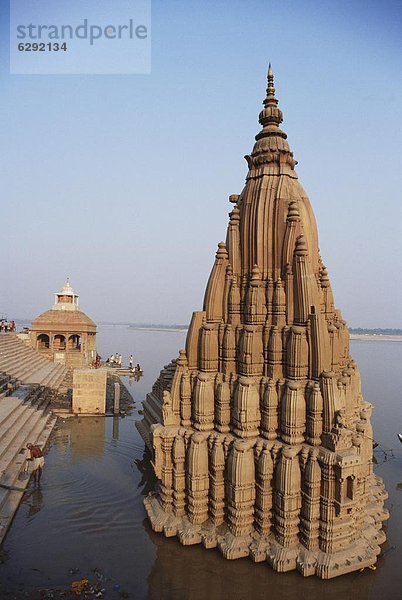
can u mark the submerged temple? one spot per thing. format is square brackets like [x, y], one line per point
[261, 438]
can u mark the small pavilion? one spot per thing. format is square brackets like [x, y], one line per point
[65, 334]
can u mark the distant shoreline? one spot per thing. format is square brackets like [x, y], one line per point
[367, 337]
[167, 329]
[375, 337]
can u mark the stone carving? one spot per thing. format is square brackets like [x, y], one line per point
[261, 438]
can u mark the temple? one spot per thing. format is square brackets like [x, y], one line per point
[65, 334]
[260, 436]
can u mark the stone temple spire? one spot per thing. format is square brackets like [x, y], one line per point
[260, 435]
[271, 146]
[271, 116]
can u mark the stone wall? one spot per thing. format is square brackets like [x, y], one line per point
[89, 391]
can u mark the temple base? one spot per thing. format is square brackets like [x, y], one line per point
[259, 547]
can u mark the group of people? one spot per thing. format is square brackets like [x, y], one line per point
[116, 361]
[7, 326]
[131, 365]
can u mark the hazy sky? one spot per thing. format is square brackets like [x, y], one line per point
[121, 181]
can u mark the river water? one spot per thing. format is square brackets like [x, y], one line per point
[88, 521]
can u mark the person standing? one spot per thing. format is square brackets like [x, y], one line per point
[130, 362]
[38, 460]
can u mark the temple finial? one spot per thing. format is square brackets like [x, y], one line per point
[67, 286]
[270, 71]
[270, 100]
[270, 118]
[271, 115]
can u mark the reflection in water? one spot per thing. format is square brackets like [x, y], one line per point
[134, 378]
[87, 437]
[194, 573]
[399, 486]
[116, 421]
[148, 480]
[34, 500]
[61, 438]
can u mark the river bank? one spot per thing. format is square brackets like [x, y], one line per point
[373, 337]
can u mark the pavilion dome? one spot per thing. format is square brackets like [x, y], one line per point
[64, 333]
[64, 315]
[66, 320]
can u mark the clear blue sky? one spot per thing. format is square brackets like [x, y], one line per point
[121, 181]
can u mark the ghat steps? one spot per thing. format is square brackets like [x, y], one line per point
[28, 366]
[24, 417]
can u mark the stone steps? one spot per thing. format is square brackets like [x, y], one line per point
[27, 365]
[8, 408]
[54, 377]
[57, 381]
[20, 364]
[38, 427]
[10, 419]
[10, 349]
[24, 392]
[153, 408]
[10, 499]
[13, 439]
[23, 418]
[144, 433]
[44, 373]
[7, 385]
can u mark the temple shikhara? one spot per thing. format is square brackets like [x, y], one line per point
[260, 435]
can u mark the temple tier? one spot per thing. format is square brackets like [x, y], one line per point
[260, 436]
